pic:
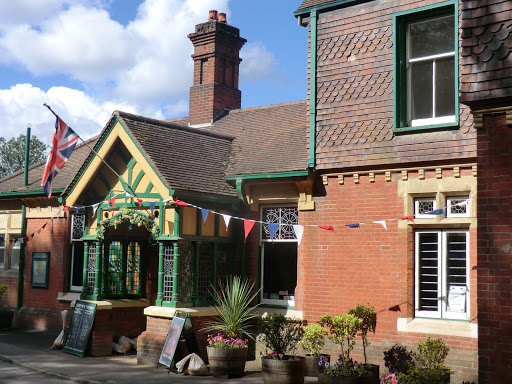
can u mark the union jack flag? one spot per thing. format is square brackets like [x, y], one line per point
[63, 143]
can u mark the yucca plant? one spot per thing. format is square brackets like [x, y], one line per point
[233, 308]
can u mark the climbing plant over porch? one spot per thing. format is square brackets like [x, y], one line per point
[134, 217]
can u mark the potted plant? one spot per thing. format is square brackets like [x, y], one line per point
[6, 315]
[342, 330]
[426, 366]
[313, 341]
[280, 336]
[227, 350]
[368, 324]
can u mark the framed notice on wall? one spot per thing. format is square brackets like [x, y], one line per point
[40, 269]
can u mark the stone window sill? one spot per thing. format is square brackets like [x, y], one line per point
[438, 327]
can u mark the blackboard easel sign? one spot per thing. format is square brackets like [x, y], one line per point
[181, 325]
[80, 328]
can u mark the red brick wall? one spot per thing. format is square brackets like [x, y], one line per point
[369, 264]
[495, 250]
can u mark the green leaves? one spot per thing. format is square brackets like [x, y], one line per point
[313, 339]
[342, 330]
[280, 334]
[233, 308]
[12, 153]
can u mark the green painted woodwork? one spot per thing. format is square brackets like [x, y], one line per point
[149, 187]
[137, 179]
[85, 270]
[29, 193]
[129, 168]
[400, 20]
[275, 175]
[312, 90]
[160, 288]
[175, 272]
[27, 150]
[97, 272]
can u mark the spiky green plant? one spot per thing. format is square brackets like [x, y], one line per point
[233, 308]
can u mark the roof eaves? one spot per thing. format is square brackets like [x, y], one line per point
[305, 12]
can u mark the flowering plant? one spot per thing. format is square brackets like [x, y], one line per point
[391, 378]
[221, 342]
[342, 367]
[279, 356]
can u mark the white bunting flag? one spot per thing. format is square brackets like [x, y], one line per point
[226, 220]
[95, 208]
[382, 222]
[299, 230]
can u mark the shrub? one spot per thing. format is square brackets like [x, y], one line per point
[280, 334]
[398, 359]
[313, 339]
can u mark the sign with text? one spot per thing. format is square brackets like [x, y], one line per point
[80, 328]
[457, 299]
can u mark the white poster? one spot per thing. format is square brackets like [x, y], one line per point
[457, 299]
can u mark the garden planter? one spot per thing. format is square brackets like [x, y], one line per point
[283, 371]
[327, 379]
[312, 367]
[374, 369]
[227, 361]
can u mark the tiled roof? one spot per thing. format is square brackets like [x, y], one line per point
[186, 158]
[313, 3]
[15, 181]
[267, 139]
[486, 48]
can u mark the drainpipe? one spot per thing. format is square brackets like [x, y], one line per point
[21, 264]
[312, 92]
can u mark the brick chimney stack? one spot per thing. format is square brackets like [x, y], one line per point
[216, 62]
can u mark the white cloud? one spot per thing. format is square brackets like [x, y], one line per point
[143, 67]
[23, 104]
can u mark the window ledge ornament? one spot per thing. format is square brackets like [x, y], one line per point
[136, 218]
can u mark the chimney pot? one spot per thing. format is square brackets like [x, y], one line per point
[212, 15]
[222, 18]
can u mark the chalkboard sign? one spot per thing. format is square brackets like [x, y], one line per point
[80, 328]
[173, 337]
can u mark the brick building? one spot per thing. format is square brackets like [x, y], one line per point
[395, 149]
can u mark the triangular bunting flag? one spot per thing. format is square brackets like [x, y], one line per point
[355, 225]
[411, 218]
[95, 208]
[39, 231]
[44, 226]
[327, 227]
[248, 224]
[26, 239]
[299, 230]
[32, 235]
[66, 207]
[152, 206]
[439, 211]
[127, 194]
[180, 203]
[226, 220]
[21, 240]
[272, 227]
[10, 241]
[205, 213]
[139, 202]
[78, 209]
[112, 201]
[382, 222]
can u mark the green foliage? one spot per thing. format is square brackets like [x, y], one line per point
[280, 334]
[135, 218]
[342, 330]
[369, 322]
[425, 376]
[432, 353]
[313, 339]
[12, 153]
[346, 368]
[233, 308]
[398, 359]
[3, 288]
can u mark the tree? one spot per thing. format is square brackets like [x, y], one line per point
[12, 153]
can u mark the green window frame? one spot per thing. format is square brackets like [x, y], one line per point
[404, 61]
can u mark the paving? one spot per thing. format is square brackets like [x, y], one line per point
[31, 349]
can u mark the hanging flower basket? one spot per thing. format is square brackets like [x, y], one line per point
[135, 218]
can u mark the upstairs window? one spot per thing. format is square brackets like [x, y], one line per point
[425, 68]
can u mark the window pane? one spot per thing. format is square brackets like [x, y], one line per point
[445, 88]
[428, 271]
[280, 270]
[15, 255]
[421, 90]
[115, 268]
[456, 259]
[205, 271]
[431, 37]
[288, 216]
[77, 264]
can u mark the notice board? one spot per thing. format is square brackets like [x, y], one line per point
[80, 328]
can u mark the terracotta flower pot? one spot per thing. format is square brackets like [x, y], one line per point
[283, 371]
[227, 361]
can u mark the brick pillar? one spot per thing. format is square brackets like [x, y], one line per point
[495, 250]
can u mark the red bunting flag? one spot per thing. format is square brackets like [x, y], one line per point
[10, 241]
[113, 202]
[25, 238]
[66, 207]
[411, 218]
[248, 224]
[180, 203]
[44, 226]
[139, 202]
[327, 227]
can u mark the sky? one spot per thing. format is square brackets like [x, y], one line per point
[88, 58]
